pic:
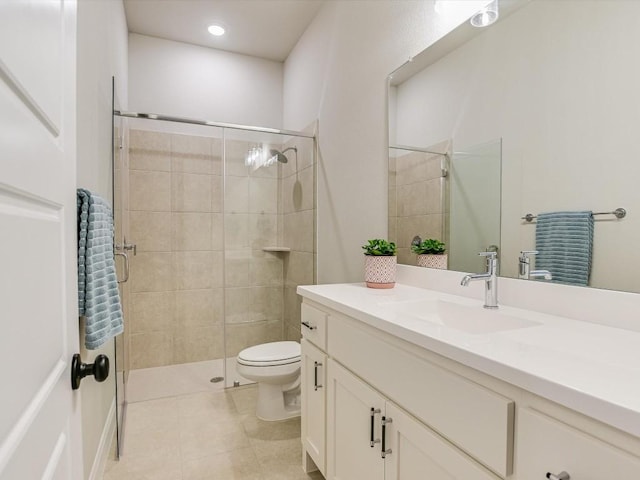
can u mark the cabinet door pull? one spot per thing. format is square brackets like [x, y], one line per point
[560, 476]
[308, 325]
[385, 451]
[315, 376]
[373, 441]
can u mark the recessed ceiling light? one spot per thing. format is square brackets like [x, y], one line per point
[216, 30]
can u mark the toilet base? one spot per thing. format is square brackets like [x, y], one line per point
[275, 404]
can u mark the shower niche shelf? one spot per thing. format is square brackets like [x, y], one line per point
[276, 249]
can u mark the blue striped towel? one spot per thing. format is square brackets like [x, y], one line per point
[564, 241]
[98, 295]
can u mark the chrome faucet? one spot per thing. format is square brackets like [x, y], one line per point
[490, 278]
[525, 271]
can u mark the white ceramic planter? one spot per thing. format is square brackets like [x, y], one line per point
[433, 261]
[380, 271]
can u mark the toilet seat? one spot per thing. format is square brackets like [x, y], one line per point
[270, 354]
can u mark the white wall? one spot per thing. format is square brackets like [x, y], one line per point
[337, 73]
[564, 105]
[185, 80]
[102, 53]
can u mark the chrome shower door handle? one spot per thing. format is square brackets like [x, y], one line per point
[126, 266]
[127, 247]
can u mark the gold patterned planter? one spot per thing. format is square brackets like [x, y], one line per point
[380, 271]
[433, 261]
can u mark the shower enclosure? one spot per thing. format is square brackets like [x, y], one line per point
[218, 223]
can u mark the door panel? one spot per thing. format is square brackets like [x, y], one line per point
[39, 419]
[31, 52]
[33, 230]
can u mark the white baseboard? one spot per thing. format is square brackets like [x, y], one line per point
[104, 447]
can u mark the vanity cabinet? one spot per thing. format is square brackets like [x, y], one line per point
[442, 420]
[370, 437]
[352, 377]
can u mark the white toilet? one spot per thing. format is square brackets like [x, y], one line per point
[276, 368]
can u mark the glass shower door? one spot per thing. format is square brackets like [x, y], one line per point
[120, 170]
[269, 240]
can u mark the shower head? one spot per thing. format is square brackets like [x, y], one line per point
[258, 157]
[278, 155]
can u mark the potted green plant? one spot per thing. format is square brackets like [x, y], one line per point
[380, 263]
[431, 253]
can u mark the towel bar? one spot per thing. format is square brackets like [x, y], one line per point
[618, 212]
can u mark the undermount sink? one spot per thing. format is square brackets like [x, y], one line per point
[466, 318]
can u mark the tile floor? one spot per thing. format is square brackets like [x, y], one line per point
[207, 436]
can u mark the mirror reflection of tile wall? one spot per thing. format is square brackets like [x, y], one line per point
[417, 199]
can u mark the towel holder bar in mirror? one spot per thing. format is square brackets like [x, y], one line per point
[618, 212]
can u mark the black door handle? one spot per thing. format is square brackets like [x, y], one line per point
[99, 369]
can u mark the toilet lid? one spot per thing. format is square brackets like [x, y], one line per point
[267, 354]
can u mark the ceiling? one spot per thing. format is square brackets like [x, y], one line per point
[261, 28]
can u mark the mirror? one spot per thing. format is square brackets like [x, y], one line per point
[558, 82]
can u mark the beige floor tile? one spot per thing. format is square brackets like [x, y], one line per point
[141, 443]
[290, 472]
[160, 464]
[276, 453]
[245, 398]
[208, 406]
[212, 435]
[238, 465]
[152, 415]
[257, 429]
[204, 437]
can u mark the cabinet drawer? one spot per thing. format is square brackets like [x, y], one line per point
[314, 325]
[548, 445]
[477, 420]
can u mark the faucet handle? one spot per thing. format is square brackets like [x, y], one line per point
[489, 254]
[525, 255]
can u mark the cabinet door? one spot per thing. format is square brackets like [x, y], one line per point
[418, 453]
[350, 401]
[546, 445]
[314, 363]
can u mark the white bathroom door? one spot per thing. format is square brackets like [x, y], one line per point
[40, 433]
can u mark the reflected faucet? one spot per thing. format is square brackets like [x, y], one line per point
[490, 280]
[525, 272]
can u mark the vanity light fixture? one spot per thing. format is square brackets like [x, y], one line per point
[216, 30]
[487, 16]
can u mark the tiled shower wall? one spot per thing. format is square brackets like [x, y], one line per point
[416, 205]
[175, 214]
[179, 293]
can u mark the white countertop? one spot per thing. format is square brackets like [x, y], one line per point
[590, 368]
